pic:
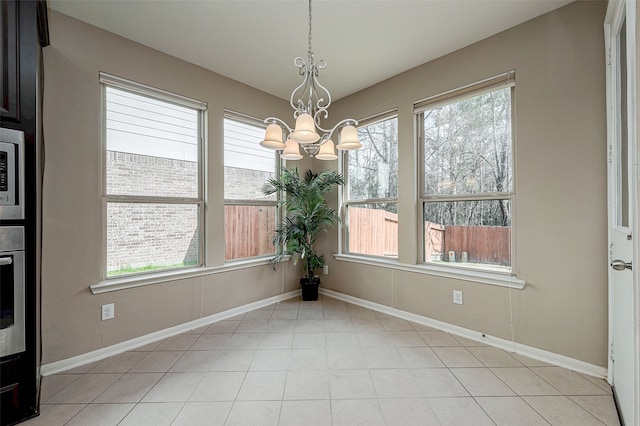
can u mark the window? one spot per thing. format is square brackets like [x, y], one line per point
[371, 193]
[153, 185]
[250, 216]
[467, 176]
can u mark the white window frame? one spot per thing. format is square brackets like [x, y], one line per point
[121, 281]
[343, 192]
[501, 81]
[243, 118]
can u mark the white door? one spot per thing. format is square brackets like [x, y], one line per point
[622, 187]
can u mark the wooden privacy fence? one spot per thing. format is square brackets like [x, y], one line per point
[248, 230]
[375, 232]
[483, 244]
[433, 241]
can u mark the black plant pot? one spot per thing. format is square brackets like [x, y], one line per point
[309, 288]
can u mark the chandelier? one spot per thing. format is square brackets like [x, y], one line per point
[310, 101]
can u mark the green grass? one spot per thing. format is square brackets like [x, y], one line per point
[149, 268]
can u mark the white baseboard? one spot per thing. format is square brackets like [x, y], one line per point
[102, 353]
[518, 348]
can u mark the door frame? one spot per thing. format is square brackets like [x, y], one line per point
[616, 12]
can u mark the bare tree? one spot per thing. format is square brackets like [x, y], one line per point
[373, 170]
[467, 153]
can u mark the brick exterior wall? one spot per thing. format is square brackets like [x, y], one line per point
[245, 184]
[135, 174]
[141, 234]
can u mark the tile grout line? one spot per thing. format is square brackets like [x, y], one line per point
[386, 330]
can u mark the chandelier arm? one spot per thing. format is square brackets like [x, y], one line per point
[323, 139]
[301, 64]
[322, 92]
[345, 122]
[276, 120]
[320, 65]
[321, 113]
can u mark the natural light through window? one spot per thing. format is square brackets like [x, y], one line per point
[250, 216]
[467, 183]
[372, 190]
[152, 188]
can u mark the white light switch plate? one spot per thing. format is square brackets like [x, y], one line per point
[457, 297]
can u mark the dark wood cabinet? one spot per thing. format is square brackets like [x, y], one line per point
[24, 31]
[10, 108]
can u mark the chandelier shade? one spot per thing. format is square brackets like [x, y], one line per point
[310, 102]
[305, 131]
[349, 139]
[291, 150]
[273, 137]
[327, 151]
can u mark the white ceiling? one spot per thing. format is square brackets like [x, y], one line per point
[254, 42]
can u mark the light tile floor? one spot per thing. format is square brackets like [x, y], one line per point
[321, 363]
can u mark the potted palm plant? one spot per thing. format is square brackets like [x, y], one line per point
[306, 215]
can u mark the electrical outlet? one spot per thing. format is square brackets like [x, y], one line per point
[325, 269]
[457, 297]
[108, 311]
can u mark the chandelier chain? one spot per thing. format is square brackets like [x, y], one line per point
[310, 27]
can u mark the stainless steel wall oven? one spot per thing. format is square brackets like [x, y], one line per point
[12, 243]
[12, 307]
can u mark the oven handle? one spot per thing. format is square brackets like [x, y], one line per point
[6, 261]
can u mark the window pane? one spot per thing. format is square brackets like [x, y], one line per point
[469, 233]
[249, 230]
[247, 165]
[373, 229]
[373, 169]
[146, 237]
[622, 194]
[467, 146]
[152, 146]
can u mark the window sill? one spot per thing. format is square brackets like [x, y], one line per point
[482, 277]
[114, 284]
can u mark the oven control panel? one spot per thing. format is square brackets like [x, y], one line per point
[4, 168]
[11, 174]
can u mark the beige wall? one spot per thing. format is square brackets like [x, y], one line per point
[560, 215]
[560, 221]
[72, 236]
